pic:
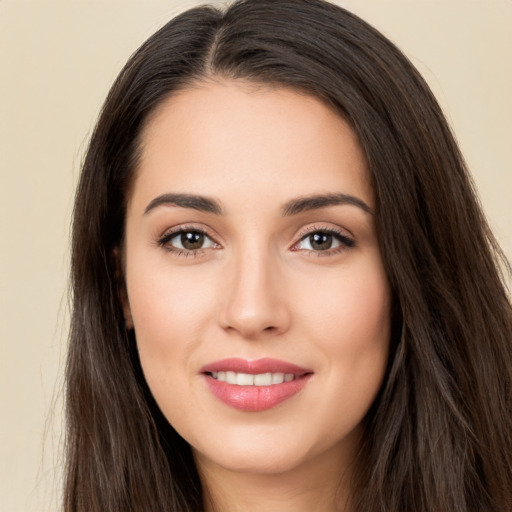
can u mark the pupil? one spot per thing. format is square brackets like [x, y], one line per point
[192, 240]
[320, 241]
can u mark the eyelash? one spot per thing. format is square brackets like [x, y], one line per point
[167, 237]
[345, 241]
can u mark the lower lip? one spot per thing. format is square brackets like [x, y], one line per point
[255, 398]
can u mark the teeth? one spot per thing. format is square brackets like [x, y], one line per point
[247, 379]
[278, 378]
[244, 379]
[263, 379]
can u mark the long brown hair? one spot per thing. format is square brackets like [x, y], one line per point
[439, 436]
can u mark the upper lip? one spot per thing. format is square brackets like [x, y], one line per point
[254, 367]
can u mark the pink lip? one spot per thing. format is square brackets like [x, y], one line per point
[255, 398]
[265, 365]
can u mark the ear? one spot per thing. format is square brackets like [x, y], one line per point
[122, 293]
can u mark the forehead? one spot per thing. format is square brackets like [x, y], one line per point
[230, 136]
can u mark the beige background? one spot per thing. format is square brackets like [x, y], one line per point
[57, 60]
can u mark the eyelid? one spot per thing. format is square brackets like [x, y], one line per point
[346, 239]
[163, 239]
[344, 236]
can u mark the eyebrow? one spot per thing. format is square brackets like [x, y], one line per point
[316, 202]
[201, 203]
[293, 207]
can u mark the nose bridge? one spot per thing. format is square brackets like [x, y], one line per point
[254, 303]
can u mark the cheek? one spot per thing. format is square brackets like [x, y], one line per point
[168, 310]
[351, 304]
[365, 319]
[365, 324]
[364, 349]
[349, 316]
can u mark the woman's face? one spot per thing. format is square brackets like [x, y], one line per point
[254, 279]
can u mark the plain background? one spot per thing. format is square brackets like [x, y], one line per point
[57, 61]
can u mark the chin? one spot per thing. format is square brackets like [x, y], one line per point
[255, 450]
[255, 461]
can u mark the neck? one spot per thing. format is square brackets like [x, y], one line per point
[310, 486]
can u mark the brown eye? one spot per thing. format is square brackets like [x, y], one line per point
[324, 240]
[320, 241]
[189, 240]
[192, 240]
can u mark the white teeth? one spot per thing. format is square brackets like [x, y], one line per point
[244, 379]
[247, 379]
[231, 377]
[263, 379]
[277, 378]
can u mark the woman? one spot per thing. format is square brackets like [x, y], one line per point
[285, 293]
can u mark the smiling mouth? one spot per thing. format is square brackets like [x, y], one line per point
[248, 379]
[254, 386]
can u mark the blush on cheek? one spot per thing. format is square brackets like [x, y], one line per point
[370, 303]
[363, 321]
[361, 312]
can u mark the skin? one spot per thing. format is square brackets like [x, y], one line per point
[258, 288]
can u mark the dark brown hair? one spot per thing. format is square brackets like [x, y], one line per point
[439, 436]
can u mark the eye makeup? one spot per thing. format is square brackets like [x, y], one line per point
[317, 240]
[189, 240]
[323, 241]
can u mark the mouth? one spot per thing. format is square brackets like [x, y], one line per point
[248, 379]
[253, 386]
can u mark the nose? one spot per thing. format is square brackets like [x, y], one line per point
[254, 298]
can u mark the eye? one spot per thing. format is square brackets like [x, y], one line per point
[187, 240]
[324, 240]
